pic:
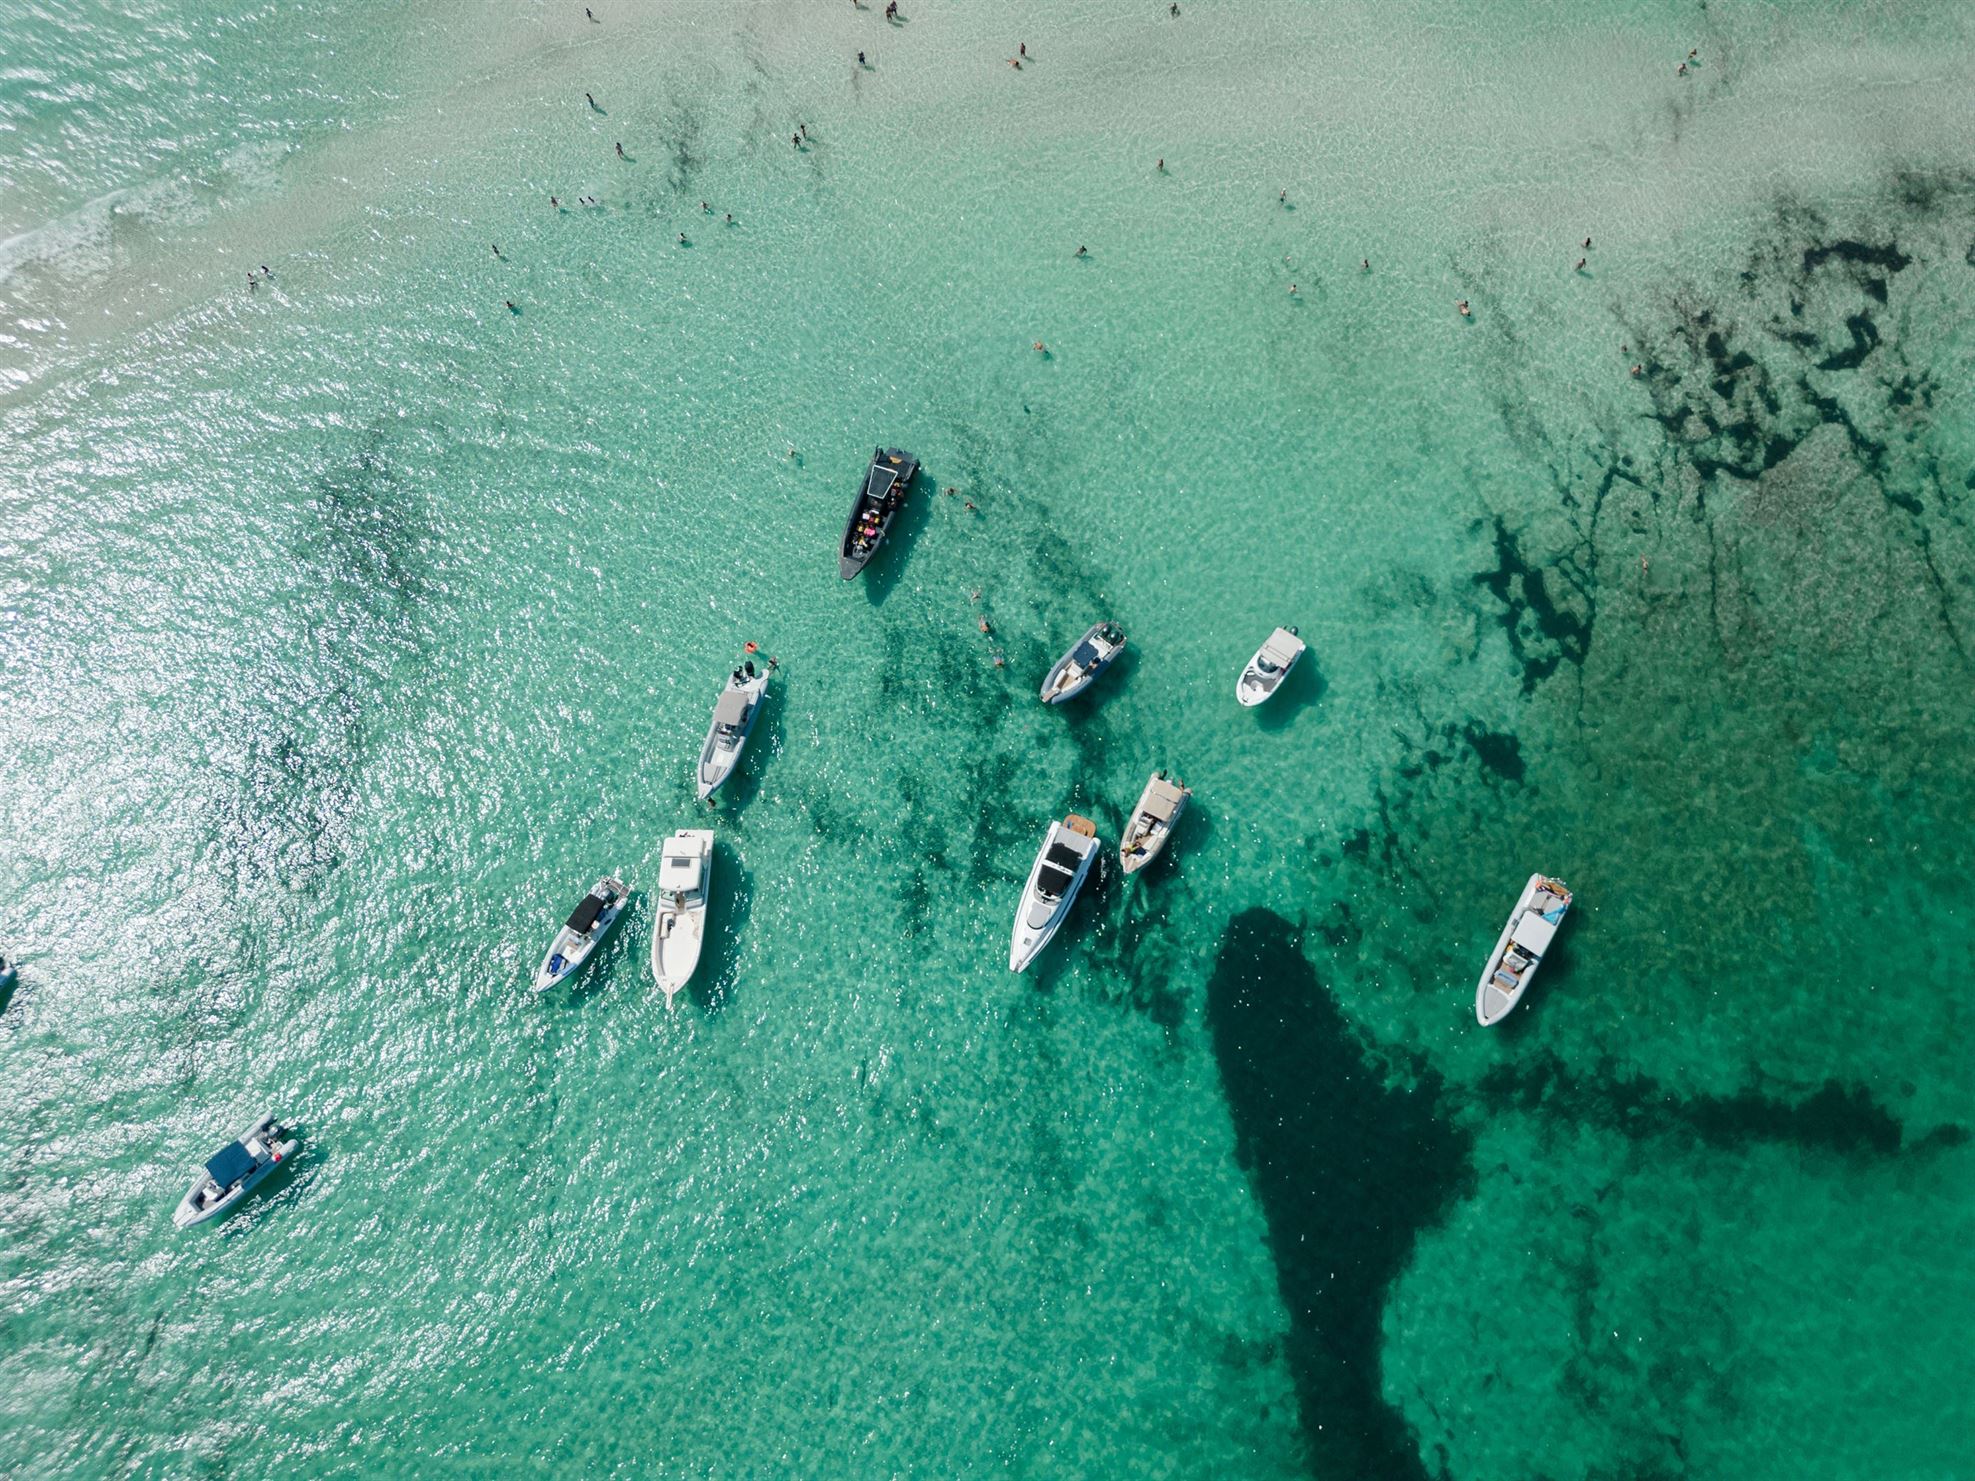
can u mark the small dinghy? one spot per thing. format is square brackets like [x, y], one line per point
[587, 925]
[1159, 808]
[1520, 950]
[235, 1171]
[1060, 867]
[733, 718]
[683, 873]
[1269, 667]
[1074, 671]
[878, 502]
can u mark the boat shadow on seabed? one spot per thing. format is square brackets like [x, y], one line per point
[727, 908]
[279, 1186]
[1304, 686]
[883, 573]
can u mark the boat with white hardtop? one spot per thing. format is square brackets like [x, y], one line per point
[1520, 948]
[235, 1171]
[1159, 808]
[581, 934]
[1075, 671]
[1269, 667]
[734, 715]
[685, 869]
[1060, 867]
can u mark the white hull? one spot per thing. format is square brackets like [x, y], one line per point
[193, 1209]
[679, 932]
[1531, 925]
[1153, 820]
[570, 949]
[1040, 915]
[1269, 668]
[725, 745]
[1070, 675]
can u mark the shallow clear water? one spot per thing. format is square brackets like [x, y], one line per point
[352, 624]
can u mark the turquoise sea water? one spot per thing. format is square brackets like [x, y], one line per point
[352, 624]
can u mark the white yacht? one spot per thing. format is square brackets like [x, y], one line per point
[733, 718]
[1159, 808]
[1074, 672]
[1269, 667]
[233, 1173]
[587, 925]
[1519, 950]
[1060, 867]
[684, 870]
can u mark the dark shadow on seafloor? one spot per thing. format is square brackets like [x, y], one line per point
[1303, 687]
[888, 565]
[728, 905]
[1348, 1171]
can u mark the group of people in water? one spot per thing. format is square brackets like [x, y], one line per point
[800, 138]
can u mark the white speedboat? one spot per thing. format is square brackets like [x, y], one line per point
[580, 935]
[733, 718]
[1159, 808]
[6, 972]
[1519, 951]
[684, 870]
[1269, 667]
[235, 1171]
[1073, 673]
[1058, 874]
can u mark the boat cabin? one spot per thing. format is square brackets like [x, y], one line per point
[731, 710]
[1533, 933]
[680, 873]
[584, 916]
[233, 1163]
[1059, 867]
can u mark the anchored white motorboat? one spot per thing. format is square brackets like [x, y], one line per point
[1519, 951]
[1269, 667]
[684, 871]
[1159, 808]
[235, 1171]
[1059, 872]
[580, 935]
[733, 718]
[1071, 674]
